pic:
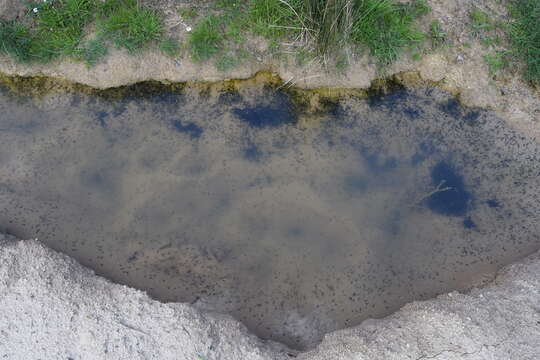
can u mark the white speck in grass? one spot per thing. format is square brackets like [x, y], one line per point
[35, 10]
[188, 29]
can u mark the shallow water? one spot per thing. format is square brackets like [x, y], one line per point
[297, 224]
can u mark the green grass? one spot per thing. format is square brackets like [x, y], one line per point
[188, 13]
[227, 62]
[15, 41]
[129, 25]
[205, 39]
[490, 41]
[92, 51]
[387, 28]
[436, 33]
[57, 29]
[274, 19]
[383, 26]
[497, 61]
[525, 36]
[480, 22]
[170, 47]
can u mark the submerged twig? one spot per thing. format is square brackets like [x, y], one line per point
[438, 189]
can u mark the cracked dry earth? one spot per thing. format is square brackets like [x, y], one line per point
[53, 308]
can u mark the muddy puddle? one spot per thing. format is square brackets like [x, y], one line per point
[297, 224]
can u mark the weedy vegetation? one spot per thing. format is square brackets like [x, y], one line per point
[509, 42]
[525, 36]
[384, 27]
[129, 25]
[480, 22]
[498, 61]
[437, 35]
[170, 47]
[15, 41]
[308, 29]
[92, 51]
[206, 39]
[58, 28]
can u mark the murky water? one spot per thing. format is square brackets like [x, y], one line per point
[296, 224]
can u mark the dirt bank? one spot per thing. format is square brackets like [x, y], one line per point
[54, 308]
[459, 67]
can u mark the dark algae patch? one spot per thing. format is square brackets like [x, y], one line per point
[276, 113]
[191, 129]
[253, 153]
[456, 199]
[468, 223]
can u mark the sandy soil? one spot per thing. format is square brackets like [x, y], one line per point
[53, 308]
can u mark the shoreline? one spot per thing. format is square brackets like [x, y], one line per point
[470, 81]
[96, 318]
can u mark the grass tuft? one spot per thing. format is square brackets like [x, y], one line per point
[227, 62]
[59, 28]
[383, 26]
[497, 61]
[188, 13]
[92, 51]
[15, 41]
[525, 36]
[129, 25]
[480, 22]
[274, 18]
[387, 28]
[437, 34]
[206, 38]
[170, 47]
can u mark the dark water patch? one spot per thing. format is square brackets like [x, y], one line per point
[425, 150]
[378, 163]
[330, 106]
[397, 101]
[411, 112]
[253, 153]
[101, 117]
[455, 200]
[471, 117]
[230, 97]
[277, 113]
[149, 90]
[100, 181]
[7, 188]
[468, 223]
[451, 108]
[356, 184]
[493, 203]
[387, 94]
[392, 224]
[193, 130]
[75, 100]
[115, 107]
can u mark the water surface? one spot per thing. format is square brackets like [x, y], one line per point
[297, 224]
